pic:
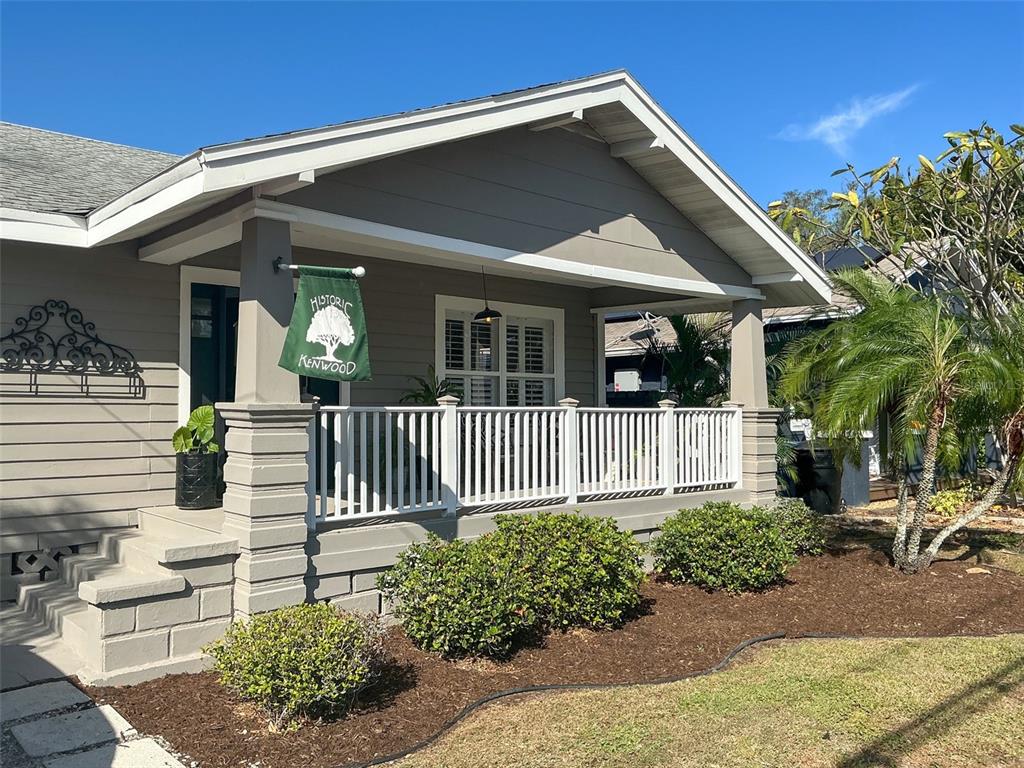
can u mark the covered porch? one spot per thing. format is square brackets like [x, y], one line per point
[527, 429]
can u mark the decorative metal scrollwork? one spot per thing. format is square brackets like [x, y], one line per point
[38, 344]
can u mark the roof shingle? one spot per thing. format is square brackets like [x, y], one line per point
[56, 173]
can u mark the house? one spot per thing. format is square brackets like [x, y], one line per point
[635, 372]
[137, 285]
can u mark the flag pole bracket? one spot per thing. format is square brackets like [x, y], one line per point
[279, 264]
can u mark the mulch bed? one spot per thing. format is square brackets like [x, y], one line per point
[684, 630]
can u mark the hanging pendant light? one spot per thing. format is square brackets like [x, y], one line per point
[486, 315]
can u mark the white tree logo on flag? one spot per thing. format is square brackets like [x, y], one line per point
[330, 327]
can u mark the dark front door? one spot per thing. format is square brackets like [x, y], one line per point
[214, 343]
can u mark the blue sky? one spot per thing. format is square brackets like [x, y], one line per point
[780, 94]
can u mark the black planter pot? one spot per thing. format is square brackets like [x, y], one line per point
[195, 486]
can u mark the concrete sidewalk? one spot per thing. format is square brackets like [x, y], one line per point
[55, 725]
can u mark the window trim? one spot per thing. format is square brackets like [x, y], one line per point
[556, 315]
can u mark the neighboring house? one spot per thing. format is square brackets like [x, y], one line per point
[635, 375]
[579, 199]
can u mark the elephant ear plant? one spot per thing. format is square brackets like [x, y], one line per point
[197, 435]
[197, 459]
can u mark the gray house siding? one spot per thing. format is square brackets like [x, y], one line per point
[552, 193]
[73, 462]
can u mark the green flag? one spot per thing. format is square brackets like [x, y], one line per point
[327, 334]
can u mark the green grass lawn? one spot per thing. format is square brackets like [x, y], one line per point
[930, 702]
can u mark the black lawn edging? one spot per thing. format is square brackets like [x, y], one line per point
[725, 662]
[473, 706]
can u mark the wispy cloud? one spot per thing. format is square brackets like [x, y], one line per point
[836, 130]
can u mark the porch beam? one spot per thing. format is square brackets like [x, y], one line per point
[208, 235]
[681, 307]
[466, 254]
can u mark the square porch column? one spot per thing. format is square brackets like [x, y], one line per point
[749, 390]
[266, 470]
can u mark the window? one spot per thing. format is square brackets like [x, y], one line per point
[516, 360]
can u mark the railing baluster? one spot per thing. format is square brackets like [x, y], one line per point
[350, 469]
[477, 458]
[436, 459]
[518, 460]
[376, 461]
[543, 446]
[424, 458]
[400, 451]
[488, 458]
[388, 453]
[324, 422]
[362, 461]
[339, 462]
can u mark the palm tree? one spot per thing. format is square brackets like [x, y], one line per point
[904, 355]
[697, 365]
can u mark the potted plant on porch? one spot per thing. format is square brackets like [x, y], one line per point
[195, 484]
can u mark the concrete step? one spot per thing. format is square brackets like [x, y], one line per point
[129, 586]
[124, 567]
[75, 569]
[170, 547]
[50, 603]
[181, 523]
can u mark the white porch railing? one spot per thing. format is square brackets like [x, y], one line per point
[373, 461]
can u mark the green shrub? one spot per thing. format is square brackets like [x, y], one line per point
[458, 598]
[300, 661]
[581, 571]
[721, 546]
[800, 525]
[949, 503]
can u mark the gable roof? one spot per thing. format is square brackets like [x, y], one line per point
[611, 107]
[45, 171]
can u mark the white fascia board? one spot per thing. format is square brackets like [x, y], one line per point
[371, 233]
[236, 168]
[411, 119]
[37, 227]
[179, 192]
[647, 111]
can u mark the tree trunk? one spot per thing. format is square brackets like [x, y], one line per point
[899, 543]
[837, 500]
[925, 489]
[1011, 461]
